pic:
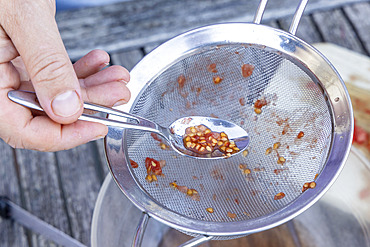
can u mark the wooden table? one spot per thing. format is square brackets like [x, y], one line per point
[61, 187]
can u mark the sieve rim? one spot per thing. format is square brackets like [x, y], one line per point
[310, 59]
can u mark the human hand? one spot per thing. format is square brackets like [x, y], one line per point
[33, 57]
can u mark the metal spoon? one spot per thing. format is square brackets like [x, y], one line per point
[173, 134]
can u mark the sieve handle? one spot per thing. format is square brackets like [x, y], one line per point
[296, 18]
[29, 99]
[260, 10]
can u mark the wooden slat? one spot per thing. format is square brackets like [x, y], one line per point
[102, 158]
[150, 47]
[270, 23]
[81, 182]
[127, 59]
[43, 197]
[335, 28]
[139, 23]
[359, 17]
[11, 234]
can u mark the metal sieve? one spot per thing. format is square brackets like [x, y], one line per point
[302, 135]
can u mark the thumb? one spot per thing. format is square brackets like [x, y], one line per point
[33, 30]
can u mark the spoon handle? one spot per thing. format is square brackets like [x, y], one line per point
[29, 99]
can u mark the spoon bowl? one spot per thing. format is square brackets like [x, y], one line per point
[174, 133]
[234, 132]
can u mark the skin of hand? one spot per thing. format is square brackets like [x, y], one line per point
[33, 58]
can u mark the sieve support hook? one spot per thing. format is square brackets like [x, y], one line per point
[138, 238]
[196, 241]
[140, 230]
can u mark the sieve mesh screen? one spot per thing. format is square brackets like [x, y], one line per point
[295, 103]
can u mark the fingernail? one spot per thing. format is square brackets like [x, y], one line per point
[123, 81]
[97, 138]
[103, 65]
[120, 102]
[66, 104]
